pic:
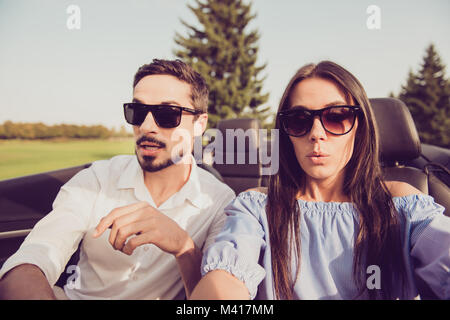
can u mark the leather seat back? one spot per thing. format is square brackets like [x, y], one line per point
[238, 158]
[400, 145]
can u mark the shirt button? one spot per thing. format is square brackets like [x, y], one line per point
[135, 278]
[145, 248]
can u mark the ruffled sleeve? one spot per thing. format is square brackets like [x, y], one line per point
[238, 246]
[429, 241]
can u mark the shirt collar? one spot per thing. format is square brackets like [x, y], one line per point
[132, 177]
[192, 189]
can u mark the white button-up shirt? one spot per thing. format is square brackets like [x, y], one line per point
[102, 272]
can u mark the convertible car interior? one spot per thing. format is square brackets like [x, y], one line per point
[25, 200]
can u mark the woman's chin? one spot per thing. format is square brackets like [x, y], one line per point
[319, 173]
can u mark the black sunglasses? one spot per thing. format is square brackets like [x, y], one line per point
[337, 120]
[166, 116]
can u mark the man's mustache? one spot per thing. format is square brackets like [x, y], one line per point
[151, 140]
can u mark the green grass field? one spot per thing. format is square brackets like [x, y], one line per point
[20, 158]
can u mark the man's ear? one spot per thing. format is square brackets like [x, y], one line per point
[200, 124]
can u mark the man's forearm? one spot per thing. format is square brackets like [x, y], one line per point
[189, 264]
[25, 282]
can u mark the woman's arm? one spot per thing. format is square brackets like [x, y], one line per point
[230, 265]
[220, 285]
[429, 237]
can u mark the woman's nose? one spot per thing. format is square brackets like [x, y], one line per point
[317, 131]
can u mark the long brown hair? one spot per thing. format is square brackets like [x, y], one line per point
[378, 241]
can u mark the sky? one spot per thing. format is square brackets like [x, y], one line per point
[53, 73]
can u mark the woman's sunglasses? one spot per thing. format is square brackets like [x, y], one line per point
[166, 116]
[337, 120]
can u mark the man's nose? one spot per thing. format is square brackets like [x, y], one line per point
[317, 130]
[149, 125]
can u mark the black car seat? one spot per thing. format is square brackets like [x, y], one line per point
[399, 145]
[239, 176]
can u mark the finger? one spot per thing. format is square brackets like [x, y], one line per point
[133, 243]
[108, 220]
[138, 215]
[126, 232]
[123, 221]
[138, 222]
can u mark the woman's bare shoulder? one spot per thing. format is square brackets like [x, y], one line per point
[258, 189]
[401, 189]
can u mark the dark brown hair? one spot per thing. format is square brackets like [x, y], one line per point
[378, 241]
[183, 72]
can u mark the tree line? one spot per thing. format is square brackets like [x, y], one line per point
[19, 130]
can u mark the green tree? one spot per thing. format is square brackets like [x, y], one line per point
[225, 54]
[11, 130]
[19, 130]
[427, 95]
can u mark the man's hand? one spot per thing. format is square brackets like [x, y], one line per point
[150, 227]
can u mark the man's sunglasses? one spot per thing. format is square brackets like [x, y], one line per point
[166, 116]
[337, 120]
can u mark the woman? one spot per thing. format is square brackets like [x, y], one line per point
[328, 227]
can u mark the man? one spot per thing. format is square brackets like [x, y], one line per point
[142, 218]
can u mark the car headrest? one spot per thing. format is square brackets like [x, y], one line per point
[251, 141]
[246, 146]
[399, 140]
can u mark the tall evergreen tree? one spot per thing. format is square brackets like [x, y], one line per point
[427, 95]
[225, 54]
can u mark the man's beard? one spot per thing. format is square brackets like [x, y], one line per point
[147, 163]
